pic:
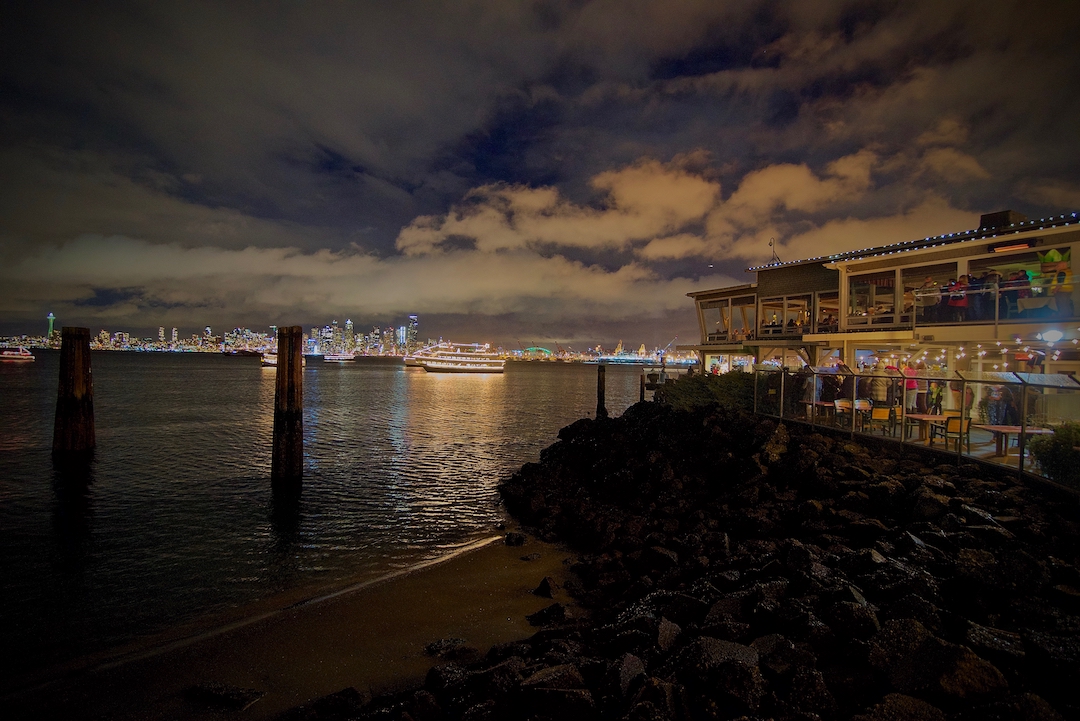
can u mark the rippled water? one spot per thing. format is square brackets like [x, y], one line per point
[177, 521]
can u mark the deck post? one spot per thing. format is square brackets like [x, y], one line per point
[642, 385]
[601, 391]
[73, 426]
[287, 463]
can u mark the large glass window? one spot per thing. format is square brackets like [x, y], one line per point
[872, 298]
[1036, 284]
[828, 312]
[743, 317]
[797, 314]
[785, 316]
[715, 314]
[772, 316]
[923, 291]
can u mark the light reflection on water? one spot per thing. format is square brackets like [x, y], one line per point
[176, 520]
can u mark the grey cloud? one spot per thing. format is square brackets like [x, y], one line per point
[327, 139]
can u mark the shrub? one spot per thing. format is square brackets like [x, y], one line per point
[1057, 454]
[734, 390]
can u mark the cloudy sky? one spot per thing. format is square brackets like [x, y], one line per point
[553, 170]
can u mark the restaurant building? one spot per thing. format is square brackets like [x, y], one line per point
[997, 297]
[969, 339]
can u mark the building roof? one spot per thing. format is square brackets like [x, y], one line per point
[933, 242]
[725, 289]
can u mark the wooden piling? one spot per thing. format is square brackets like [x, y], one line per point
[601, 391]
[287, 464]
[73, 426]
[642, 379]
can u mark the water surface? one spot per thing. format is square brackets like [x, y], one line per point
[176, 520]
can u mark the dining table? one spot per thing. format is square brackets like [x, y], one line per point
[924, 420]
[1002, 433]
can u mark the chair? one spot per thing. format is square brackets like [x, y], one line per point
[862, 410]
[955, 427]
[885, 417]
[842, 408]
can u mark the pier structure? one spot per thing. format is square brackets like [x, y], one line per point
[73, 426]
[287, 464]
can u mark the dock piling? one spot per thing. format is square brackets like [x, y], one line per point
[287, 463]
[601, 391]
[73, 425]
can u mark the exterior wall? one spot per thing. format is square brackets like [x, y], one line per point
[796, 279]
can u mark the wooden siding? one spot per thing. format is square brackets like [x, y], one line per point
[796, 280]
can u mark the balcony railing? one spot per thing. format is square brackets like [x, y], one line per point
[1008, 302]
[994, 417]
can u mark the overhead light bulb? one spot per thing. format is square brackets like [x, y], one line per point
[1052, 336]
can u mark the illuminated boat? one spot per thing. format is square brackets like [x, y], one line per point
[269, 360]
[338, 357]
[460, 358]
[16, 355]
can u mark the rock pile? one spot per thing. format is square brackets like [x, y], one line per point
[735, 567]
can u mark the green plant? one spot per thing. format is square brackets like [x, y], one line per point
[1058, 455]
[734, 390]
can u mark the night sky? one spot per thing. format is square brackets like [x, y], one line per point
[536, 171]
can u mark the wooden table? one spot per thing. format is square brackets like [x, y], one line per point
[1001, 435]
[822, 409]
[925, 419]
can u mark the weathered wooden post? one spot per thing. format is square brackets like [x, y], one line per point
[73, 426]
[287, 463]
[601, 391]
[642, 385]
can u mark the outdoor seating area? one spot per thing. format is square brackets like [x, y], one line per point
[986, 416]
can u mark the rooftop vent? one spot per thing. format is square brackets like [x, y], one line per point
[1001, 219]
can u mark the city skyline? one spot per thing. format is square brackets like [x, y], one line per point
[551, 170]
[380, 340]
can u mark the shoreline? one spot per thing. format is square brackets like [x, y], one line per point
[369, 635]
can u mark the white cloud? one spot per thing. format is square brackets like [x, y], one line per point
[639, 202]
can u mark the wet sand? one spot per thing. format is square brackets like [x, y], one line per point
[370, 636]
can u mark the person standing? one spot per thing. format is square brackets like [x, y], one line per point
[921, 387]
[911, 386]
[927, 298]
[879, 385]
[958, 300]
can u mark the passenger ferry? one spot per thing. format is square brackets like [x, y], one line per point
[460, 358]
[269, 360]
[16, 355]
[338, 357]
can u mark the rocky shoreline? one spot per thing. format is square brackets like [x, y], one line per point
[734, 567]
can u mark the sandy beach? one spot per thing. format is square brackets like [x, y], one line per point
[370, 636]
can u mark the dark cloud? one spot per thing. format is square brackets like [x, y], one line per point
[251, 160]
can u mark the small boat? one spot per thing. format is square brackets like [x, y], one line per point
[242, 352]
[269, 360]
[339, 357]
[16, 355]
[460, 358]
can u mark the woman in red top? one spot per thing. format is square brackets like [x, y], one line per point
[958, 300]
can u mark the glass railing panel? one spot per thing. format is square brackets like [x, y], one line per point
[768, 383]
[996, 424]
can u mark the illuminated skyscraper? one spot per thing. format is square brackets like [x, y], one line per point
[51, 318]
[161, 333]
[412, 334]
[175, 335]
